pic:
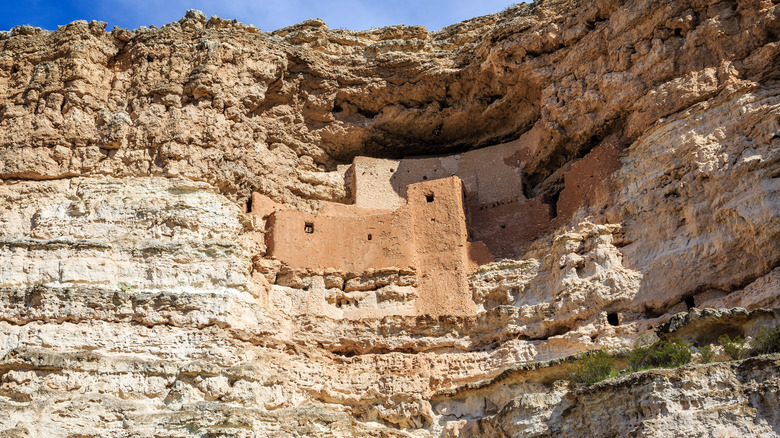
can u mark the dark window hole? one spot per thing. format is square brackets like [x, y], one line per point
[552, 201]
[425, 177]
[370, 236]
[612, 319]
[429, 198]
[308, 228]
[503, 227]
[689, 302]
[369, 114]
[249, 205]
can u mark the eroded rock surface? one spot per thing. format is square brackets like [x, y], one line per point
[619, 162]
[726, 399]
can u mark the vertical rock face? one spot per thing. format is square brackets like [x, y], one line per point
[615, 163]
[153, 233]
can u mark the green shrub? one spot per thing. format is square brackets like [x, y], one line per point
[594, 367]
[767, 341]
[664, 353]
[125, 288]
[735, 348]
[706, 353]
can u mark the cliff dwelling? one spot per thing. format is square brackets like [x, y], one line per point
[437, 218]
[212, 230]
[426, 235]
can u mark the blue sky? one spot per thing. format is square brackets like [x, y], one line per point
[265, 14]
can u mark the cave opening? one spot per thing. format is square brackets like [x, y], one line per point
[690, 303]
[526, 190]
[613, 319]
[552, 201]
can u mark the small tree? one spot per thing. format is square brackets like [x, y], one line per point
[664, 353]
[594, 367]
[736, 348]
[706, 353]
[767, 341]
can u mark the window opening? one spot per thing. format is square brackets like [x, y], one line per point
[612, 319]
[308, 228]
[429, 198]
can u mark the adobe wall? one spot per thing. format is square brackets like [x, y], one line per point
[492, 178]
[428, 235]
[346, 243]
[586, 183]
[441, 246]
[504, 226]
[497, 212]
[489, 174]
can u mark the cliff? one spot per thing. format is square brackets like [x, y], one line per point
[209, 230]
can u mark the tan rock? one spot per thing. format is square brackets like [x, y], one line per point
[618, 163]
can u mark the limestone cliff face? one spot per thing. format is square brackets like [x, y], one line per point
[144, 173]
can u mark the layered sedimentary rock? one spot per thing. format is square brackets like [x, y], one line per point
[499, 196]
